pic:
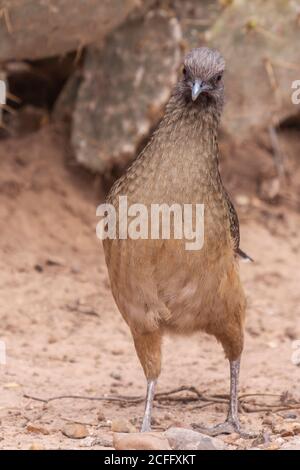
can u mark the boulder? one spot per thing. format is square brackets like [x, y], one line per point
[256, 39]
[125, 87]
[187, 439]
[34, 29]
[140, 441]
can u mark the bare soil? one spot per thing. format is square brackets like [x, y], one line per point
[64, 335]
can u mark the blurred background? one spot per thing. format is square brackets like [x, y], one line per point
[87, 83]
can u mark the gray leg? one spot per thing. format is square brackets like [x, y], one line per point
[232, 423]
[233, 412]
[146, 426]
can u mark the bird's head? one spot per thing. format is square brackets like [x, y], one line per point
[203, 70]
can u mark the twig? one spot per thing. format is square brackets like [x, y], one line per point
[206, 400]
[199, 407]
[12, 97]
[70, 420]
[5, 15]
[82, 397]
[79, 52]
[272, 79]
[247, 395]
[8, 109]
[277, 152]
[180, 389]
[285, 65]
[273, 408]
[84, 309]
[278, 156]
[268, 34]
[253, 25]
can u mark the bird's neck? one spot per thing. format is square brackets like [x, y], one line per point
[187, 135]
[181, 160]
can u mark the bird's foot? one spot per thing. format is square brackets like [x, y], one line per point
[230, 426]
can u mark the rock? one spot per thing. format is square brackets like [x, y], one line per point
[280, 440]
[65, 103]
[28, 119]
[75, 431]
[91, 441]
[261, 439]
[122, 425]
[36, 429]
[272, 446]
[141, 441]
[11, 385]
[57, 27]
[291, 333]
[117, 352]
[125, 87]
[187, 439]
[293, 444]
[231, 438]
[290, 415]
[268, 420]
[55, 261]
[242, 200]
[287, 429]
[36, 446]
[101, 416]
[116, 376]
[258, 46]
[196, 17]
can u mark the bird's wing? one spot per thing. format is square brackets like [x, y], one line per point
[235, 229]
[234, 223]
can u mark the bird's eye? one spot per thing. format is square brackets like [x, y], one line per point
[184, 72]
[218, 77]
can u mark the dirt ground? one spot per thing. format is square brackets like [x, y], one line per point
[64, 335]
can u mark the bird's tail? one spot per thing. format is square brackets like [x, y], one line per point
[245, 258]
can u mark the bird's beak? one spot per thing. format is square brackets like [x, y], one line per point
[197, 88]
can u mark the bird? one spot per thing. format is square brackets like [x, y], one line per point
[159, 286]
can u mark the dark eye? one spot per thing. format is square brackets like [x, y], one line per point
[218, 77]
[184, 72]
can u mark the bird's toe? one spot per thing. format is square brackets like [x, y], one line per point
[228, 427]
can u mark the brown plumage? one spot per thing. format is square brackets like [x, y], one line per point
[158, 285]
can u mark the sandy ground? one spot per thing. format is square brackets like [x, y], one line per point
[64, 335]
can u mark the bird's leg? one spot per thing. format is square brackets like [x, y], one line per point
[233, 412]
[148, 348]
[232, 423]
[146, 426]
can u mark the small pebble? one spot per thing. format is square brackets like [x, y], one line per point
[75, 431]
[122, 425]
[36, 429]
[36, 446]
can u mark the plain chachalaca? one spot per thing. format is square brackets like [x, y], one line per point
[160, 286]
